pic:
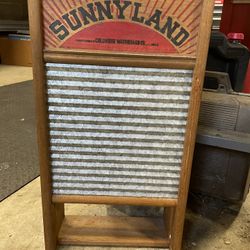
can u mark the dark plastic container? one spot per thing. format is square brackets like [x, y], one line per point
[221, 165]
[230, 57]
[247, 81]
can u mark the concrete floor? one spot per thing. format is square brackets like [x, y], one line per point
[21, 224]
[21, 219]
[13, 74]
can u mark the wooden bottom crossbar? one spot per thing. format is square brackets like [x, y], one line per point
[108, 200]
[113, 231]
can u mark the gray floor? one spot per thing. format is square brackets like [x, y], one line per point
[18, 147]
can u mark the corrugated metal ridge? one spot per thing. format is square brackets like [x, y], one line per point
[115, 125]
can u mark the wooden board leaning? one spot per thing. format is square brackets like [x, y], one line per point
[118, 87]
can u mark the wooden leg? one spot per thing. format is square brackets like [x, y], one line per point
[177, 229]
[53, 215]
[168, 220]
[60, 215]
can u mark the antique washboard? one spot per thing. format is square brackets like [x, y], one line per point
[118, 86]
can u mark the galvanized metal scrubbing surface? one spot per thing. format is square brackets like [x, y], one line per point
[117, 131]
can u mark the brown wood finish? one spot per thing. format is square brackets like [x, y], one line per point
[198, 78]
[114, 200]
[113, 231]
[114, 59]
[168, 220]
[138, 232]
[53, 214]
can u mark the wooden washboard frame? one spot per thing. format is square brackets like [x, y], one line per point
[59, 229]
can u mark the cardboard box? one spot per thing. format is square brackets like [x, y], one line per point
[15, 50]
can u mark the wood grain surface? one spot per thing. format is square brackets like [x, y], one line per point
[189, 19]
[52, 213]
[113, 231]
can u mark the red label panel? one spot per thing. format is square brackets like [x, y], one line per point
[137, 26]
[120, 36]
